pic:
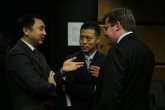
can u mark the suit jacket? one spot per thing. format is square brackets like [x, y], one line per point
[80, 83]
[124, 81]
[28, 78]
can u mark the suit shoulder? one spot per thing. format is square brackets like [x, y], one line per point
[16, 50]
[101, 54]
[74, 54]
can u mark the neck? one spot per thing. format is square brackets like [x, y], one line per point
[28, 41]
[89, 54]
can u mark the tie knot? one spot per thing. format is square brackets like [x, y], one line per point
[89, 58]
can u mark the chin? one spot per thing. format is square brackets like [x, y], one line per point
[41, 42]
[109, 43]
[85, 51]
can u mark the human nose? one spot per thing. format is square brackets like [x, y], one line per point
[84, 41]
[105, 34]
[44, 32]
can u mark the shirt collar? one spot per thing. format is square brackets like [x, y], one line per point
[86, 56]
[123, 36]
[29, 45]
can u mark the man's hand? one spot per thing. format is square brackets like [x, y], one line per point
[94, 70]
[51, 78]
[69, 65]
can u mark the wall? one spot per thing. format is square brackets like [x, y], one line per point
[61, 13]
[10, 14]
[57, 15]
[150, 26]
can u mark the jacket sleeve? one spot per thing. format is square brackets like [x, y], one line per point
[58, 78]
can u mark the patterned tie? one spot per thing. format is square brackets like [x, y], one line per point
[88, 62]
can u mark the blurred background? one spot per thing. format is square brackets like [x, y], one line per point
[149, 15]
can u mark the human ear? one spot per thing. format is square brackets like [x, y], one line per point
[25, 31]
[118, 25]
[98, 39]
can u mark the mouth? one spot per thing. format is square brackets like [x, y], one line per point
[84, 47]
[107, 38]
[42, 39]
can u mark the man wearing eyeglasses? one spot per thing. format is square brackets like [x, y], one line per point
[123, 83]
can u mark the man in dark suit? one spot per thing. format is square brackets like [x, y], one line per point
[81, 83]
[123, 83]
[32, 82]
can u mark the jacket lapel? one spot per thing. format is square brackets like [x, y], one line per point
[31, 54]
[85, 73]
[83, 70]
[95, 59]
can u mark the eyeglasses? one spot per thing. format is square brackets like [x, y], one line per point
[105, 29]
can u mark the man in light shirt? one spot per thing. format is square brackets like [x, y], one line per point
[81, 83]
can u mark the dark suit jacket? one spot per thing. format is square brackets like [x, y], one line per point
[80, 83]
[125, 79]
[28, 78]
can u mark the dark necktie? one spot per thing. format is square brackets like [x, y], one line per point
[37, 54]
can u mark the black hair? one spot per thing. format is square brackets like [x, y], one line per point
[27, 20]
[92, 25]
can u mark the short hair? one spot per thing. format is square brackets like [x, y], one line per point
[124, 16]
[27, 20]
[4, 42]
[92, 25]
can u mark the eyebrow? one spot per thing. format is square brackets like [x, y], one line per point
[41, 26]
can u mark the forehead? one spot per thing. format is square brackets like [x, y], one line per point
[106, 21]
[87, 31]
[38, 22]
[107, 24]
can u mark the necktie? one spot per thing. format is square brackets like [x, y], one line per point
[36, 53]
[88, 62]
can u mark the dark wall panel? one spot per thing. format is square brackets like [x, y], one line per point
[60, 14]
[57, 15]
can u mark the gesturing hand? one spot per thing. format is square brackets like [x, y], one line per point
[69, 65]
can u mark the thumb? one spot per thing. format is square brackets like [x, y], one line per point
[51, 73]
[72, 59]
